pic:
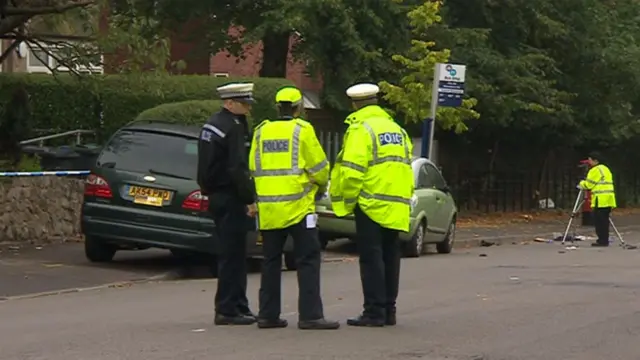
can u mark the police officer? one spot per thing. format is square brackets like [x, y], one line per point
[289, 167]
[223, 175]
[599, 181]
[373, 180]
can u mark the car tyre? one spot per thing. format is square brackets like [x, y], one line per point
[446, 246]
[290, 261]
[98, 250]
[416, 246]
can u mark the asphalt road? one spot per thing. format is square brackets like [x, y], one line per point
[536, 301]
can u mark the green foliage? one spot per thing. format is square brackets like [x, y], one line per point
[412, 97]
[189, 112]
[105, 103]
[356, 41]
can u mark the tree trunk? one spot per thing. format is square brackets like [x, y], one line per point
[275, 53]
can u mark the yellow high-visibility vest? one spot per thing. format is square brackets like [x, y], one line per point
[288, 165]
[374, 171]
[600, 182]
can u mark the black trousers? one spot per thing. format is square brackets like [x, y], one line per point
[601, 222]
[379, 250]
[308, 254]
[232, 226]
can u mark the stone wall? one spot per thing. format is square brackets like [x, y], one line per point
[39, 209]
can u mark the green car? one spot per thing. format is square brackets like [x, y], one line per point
[142, 193]
[433, 214]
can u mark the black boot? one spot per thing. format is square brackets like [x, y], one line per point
[272, 323]
[391, 317]
[599, 244]
[233, 320]
[364, 320]
[320, 324]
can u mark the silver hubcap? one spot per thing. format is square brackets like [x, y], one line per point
[419, 239]
[452, 233]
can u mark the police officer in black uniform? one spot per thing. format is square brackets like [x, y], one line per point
[223, 175]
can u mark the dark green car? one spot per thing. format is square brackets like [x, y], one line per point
[142, 193]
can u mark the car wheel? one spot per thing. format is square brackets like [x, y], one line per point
[290, 261]
[416, 246]
[446, 246]
[98, 250]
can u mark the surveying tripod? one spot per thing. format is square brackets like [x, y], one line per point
[576, 210]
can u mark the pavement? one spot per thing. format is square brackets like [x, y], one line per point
[512, 302]
[42, 270]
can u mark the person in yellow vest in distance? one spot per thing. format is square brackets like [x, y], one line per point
[373, 180]
[603, 196]
[289, 167]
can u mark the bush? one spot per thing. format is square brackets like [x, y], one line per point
[106, 102]
[190, 112]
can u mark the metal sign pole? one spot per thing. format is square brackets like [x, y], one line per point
[434, 109]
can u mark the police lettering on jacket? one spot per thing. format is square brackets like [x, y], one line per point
[390, 138]
[273, 146]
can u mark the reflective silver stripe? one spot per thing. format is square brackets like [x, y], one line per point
[379, 160]
[295, 154]
[214, 130]
[390, 198]
[281, 198]
[603, 192]
[319, 167]
[353, 166]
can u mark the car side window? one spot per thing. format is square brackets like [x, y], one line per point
[435, 178]
[423, 178]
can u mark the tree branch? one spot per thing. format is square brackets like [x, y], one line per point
[32, 11]
[49, 36]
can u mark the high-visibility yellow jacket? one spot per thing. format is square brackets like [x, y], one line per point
[600, 182]
[373, 170]
[288, 165]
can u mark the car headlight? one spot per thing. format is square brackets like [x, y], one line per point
[414, 202]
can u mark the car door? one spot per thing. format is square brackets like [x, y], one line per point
[427, 203]
[443, 198]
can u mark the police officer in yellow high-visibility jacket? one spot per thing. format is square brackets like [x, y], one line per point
[600, 182]
[289, 166]
[373, 179]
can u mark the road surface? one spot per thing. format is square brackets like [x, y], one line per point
[510, 302]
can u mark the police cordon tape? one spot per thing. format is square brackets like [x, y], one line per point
[45, 173]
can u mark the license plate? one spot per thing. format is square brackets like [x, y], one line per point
[149, 196]
[259, 240]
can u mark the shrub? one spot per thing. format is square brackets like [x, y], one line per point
[106, 102]
[190, 112]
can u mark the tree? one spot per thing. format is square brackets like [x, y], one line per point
[412, 97]
[70, 32]
[345, 41]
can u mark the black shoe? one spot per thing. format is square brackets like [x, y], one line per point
[367, 321]
[272, 323]
[248, 314]
[320, 324]
[391, 317]
[233, 320]
[597, 244]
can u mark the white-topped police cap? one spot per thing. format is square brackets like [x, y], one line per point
[242, 92]
[363, 91]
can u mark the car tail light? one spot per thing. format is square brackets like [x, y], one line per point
[196, 202]
[97, 186]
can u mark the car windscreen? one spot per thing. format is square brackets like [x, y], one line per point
[152, 152]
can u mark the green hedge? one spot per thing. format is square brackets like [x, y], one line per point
[190, 112]
[68, 102]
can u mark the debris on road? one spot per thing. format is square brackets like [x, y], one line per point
[482, 255]
[486, 243]
[514, 278]
[198, 330]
